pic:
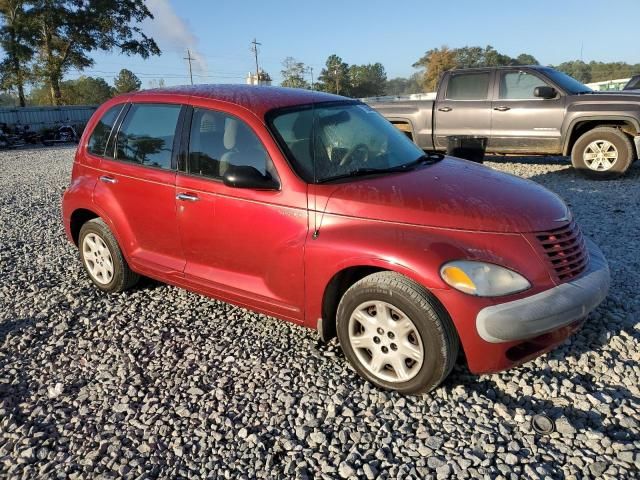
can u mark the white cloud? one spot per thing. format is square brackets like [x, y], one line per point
[173, 34]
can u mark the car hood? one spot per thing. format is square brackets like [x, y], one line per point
[452, 193]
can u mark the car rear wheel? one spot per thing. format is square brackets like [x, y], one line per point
[103, 259]
[396, 334]
[602, 153]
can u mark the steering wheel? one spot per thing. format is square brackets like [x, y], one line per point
[348, 157]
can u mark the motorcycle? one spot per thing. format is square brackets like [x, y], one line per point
[63, 134]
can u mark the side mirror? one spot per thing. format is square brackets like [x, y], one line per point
[545, 92]
[249, 177]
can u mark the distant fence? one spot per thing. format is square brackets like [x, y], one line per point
[39, 118]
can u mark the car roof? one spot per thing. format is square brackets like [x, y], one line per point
[257, 99]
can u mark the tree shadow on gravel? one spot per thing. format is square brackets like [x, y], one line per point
[14, 326]
[13, 396]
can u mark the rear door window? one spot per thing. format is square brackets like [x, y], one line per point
[147, 134]
[102, 130]
[469, 86]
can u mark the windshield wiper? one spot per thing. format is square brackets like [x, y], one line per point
[426, 159]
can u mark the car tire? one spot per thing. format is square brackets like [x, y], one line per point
[102, 258]
[410, 357]
[591, 144]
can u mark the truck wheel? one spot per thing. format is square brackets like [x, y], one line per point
[396, 334]
[602, 153]
[103, 259]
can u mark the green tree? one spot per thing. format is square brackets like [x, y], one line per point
[435, 62]
[86, 91]
[493, 58]
[8, 100]
[334, 77]
[80, 91]
[526, 59]
[70, 30]
[405, 86]
[469, 57]
[438, 60]
[293, 74]
[367, 80]
[16, 39]
[577, 69]
[126, 82]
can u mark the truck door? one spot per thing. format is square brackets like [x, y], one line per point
[463, 106]
[521, 122]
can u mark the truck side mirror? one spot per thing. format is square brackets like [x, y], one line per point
[545, 92]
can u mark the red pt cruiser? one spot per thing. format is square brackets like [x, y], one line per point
[312, 208]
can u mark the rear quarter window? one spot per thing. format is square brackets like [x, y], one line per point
[102, 130]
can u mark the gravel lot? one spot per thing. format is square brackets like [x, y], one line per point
[162, 382]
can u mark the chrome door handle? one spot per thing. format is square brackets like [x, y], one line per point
[108, 179]
[502, 109]
[187, 197]
[445, 109]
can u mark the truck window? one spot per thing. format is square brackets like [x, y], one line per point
[468, 86]
[519, 85]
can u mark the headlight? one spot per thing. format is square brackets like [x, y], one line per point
[482, 279]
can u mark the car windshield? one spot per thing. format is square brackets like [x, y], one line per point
[330, 141]
[566, 82]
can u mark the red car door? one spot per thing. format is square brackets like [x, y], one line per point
[245, 246]
[137, 188]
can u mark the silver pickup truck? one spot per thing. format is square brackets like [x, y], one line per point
[531, 110]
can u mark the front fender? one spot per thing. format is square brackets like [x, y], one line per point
[414, 251]
[575, 117]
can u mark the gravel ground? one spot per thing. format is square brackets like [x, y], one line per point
[162, 382]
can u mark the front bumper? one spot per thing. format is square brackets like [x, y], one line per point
[549, 310]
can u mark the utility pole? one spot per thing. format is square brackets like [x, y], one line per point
[311, 72]
[254, 49]
[335, 71]
[189, 58]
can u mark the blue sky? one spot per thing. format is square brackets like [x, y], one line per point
[396, 34]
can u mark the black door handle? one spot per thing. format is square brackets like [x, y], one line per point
[445, 109]
[502, 109]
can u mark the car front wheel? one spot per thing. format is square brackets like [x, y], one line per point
[603, 153]
[396, 334]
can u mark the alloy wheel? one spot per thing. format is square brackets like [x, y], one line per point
[600, 155]
[386, 341]
[97, 258]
